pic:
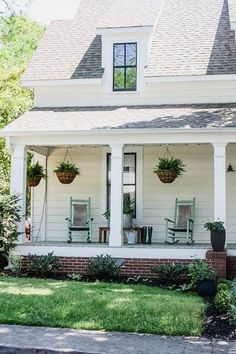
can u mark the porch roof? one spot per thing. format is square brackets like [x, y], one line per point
[44, 120]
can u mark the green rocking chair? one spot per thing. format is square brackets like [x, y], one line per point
[183, 224]
[80, 220]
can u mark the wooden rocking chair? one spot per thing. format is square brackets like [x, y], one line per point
[183, 224]
[80, 220]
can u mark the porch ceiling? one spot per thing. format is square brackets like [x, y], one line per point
[78, 119]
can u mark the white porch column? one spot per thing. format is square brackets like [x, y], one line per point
[18, 182]
[219, 182]
[116, 218]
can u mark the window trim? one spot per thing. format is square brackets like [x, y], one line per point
[126, 184]
[125, 67]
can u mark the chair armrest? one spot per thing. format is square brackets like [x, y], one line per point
[191, 220]
[68, 219]
[169, 220]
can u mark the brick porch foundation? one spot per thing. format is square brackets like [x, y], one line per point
[224, 266]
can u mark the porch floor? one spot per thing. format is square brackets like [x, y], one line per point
[105, 245]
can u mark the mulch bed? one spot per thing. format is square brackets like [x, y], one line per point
[218, 326]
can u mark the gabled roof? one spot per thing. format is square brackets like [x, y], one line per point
[190, 37]
[38, 121]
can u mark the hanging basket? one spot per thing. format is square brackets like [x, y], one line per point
[33, 181]
[66, 177]
[166, 176]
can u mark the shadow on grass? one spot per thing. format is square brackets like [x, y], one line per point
[100, 306]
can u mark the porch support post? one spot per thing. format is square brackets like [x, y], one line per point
[116, 217]
[18, 183]
[219, 182]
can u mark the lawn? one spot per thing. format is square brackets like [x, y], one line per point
[99, 306]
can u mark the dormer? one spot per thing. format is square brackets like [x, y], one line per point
[125, 53]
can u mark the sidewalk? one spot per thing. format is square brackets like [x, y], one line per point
[38, 340]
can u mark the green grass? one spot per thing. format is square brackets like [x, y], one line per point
[99, 306]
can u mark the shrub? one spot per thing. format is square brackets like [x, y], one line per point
[9, 217]
[198, 271]
[103, 267]
[74, 276]
[169, 273]
[232, 308]
[222, 286]
[43, 266]
[15, 260]
[222, 300]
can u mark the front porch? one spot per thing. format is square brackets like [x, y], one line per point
[155, 201]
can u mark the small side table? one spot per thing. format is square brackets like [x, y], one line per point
[103, 230]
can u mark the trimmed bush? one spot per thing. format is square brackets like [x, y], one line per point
[103, 268]
[43, 266]
[169, 274]
[222, 300]
[9, 217]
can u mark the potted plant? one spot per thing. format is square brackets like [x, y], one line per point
[203, 278]
[35, 172]
[169, 168]
[66, 172]
[217, 234]
[128, 210]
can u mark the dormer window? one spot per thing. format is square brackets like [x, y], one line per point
[124, 67]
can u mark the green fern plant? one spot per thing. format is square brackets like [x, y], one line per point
[170, 163]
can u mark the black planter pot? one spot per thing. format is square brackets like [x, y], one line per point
[206, 287]
[218, 240]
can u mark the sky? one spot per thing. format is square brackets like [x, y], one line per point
[45, 11]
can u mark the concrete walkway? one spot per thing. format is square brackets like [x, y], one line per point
[38, 340]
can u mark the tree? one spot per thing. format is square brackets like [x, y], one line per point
[18, 39]
[13, 7]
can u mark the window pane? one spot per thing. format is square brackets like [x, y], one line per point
[129, 191]
[129, 169]
[109, 168]
[119, 78]
[131, 78]
[131, 54]
[119, 55]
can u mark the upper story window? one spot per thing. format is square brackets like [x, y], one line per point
[125, 67]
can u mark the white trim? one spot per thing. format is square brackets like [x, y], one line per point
[121, 252]
[197, 132]
[118, 30]
[138, 150]
[153, 79]
[55, 82]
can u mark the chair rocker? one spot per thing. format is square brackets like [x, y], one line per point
[183, 224]
[80, 220]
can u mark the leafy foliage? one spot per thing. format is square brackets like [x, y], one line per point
[170, 163]
[200, 270]
[169, 274]
[9, 216]
[74, 276]
[43, 266]
[103, 267]
[15, 260]
[217, 226]
[222, 300]
[35, 170]
[67, 167]
[18, 37]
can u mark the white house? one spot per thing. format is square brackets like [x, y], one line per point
[123, 80]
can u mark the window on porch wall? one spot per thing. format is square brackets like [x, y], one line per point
[129, 179]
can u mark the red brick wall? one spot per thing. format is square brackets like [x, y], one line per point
[142, 266]
[231, 267]
[132, 266]
[218, 262]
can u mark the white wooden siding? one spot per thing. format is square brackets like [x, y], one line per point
[220, 91]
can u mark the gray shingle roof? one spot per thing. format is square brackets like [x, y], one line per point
[190, 38]
[134, 117]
